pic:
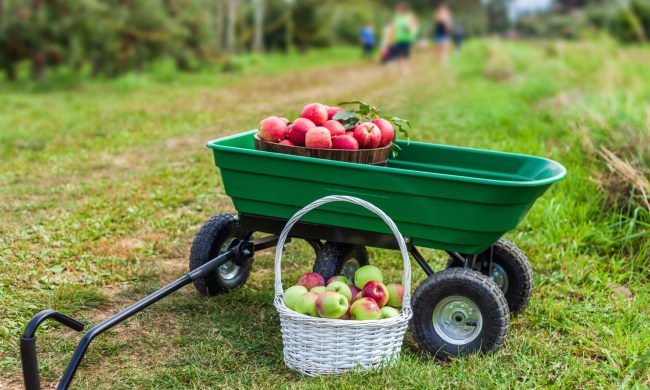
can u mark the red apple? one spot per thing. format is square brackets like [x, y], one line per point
[333, 111]
[298, 129]
[287, 142]
[311, 280]
[272, 129]
[355, 291]
[335, 128]
[376, 291]
[358, 296]
[318, 138]
[315, 112]
[345, 142]
[387, 131]
[367, 135]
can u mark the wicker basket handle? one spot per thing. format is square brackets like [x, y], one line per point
[406, 274]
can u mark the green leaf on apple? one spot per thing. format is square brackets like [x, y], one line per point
[349, 123]
[368, 113]
[365, 109]
[401, 125]
[343, 115]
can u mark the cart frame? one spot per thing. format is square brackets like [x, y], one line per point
[240, 250]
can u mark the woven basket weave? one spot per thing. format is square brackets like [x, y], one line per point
[376, 156]
[322, 346]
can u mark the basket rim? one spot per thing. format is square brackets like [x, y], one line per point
[405, 314]
[304, 147]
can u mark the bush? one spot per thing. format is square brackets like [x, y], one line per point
[628, 23]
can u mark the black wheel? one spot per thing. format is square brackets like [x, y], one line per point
[511, 271]
[458, 312]
[340, 259]
[213, 239]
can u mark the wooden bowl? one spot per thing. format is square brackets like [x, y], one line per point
[378, 156]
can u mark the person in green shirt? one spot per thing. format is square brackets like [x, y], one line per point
[405, 27]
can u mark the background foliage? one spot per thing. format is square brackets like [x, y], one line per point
[111, 37]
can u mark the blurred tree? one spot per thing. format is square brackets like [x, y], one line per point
[13, 36]
[231, 39]
[497, 14]
[472, 15]
[308, 26]
[111, 37]
[627, 21]
[570, 5]
[258, 35]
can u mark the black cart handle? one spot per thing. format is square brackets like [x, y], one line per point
[238, 252]
[28, 344]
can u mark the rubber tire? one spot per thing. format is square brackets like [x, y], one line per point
[468, 283]
[518, 271]
[332, 256]
[212, 235]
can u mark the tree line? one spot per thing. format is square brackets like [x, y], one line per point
[111, 37]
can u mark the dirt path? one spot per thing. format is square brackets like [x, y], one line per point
[251, 99]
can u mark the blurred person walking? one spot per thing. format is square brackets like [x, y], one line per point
[459, 36]
[405, 27]
[367, 37]
[387, 47]
[443, 22]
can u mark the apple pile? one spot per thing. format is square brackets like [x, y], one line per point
[367, 298]
[323, 127]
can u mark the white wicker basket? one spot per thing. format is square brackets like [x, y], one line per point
[321, 346]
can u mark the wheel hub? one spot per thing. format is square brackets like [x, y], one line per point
[229, 270]
[499, 276]
[457, 320]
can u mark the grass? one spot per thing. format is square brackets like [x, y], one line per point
[103, 186]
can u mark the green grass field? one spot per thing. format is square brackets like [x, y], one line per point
[103, 186]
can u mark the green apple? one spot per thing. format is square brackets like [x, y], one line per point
[388, 312]
[307, 304]
[292, 295]
[341, 288]
[331, 304]
[337, 278]
[318, 289]
[395, 295]
[365, 309]
[367, 273]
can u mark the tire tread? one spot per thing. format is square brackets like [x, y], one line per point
[469, 282]
[206, 245]
[333, 255]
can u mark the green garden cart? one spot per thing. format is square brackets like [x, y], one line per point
[458, 200]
